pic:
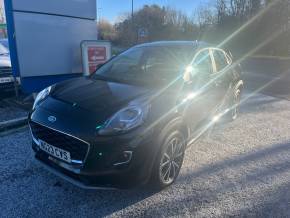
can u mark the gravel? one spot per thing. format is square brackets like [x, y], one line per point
[241, 169]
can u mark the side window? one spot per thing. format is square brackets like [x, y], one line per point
[203, 62]
[220, 60]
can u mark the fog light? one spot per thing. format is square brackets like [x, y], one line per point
[124, 158]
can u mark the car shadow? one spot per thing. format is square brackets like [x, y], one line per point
[276, 205]
[210, 196]
[101, 203]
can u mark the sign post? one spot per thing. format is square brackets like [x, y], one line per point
[94, 53]
[142, 35]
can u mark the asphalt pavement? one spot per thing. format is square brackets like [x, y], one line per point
[241, 169]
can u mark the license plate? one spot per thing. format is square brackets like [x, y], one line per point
[6, 80]
[54, 151]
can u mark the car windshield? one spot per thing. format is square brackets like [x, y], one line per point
[147, 64]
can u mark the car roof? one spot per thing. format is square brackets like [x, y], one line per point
[196, 44]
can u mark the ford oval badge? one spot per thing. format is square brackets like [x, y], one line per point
[51, 119]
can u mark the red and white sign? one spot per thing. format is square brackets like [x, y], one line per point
[94, 54]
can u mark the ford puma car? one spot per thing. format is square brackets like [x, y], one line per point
[130, 122]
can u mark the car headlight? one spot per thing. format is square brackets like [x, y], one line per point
[124, 120]
[40, 96]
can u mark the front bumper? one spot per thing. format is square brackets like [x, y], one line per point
[103, 167]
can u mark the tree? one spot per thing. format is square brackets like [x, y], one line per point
[106, 30]
[209, 24]
[160, 22]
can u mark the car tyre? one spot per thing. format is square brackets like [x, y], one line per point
[169, 160]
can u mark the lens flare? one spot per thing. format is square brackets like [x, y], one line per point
[188, 69]
[202, 130]
[216, 118]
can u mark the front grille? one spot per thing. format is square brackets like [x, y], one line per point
[77, 148]
[5, 71]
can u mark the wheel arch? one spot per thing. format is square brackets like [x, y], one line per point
[165, 129]
[178, 123]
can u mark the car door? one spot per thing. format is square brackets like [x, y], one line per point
[199, 88]
[220, 76]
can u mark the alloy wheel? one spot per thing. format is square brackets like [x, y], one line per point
[171, 160]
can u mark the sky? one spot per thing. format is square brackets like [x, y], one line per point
[112, 9]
